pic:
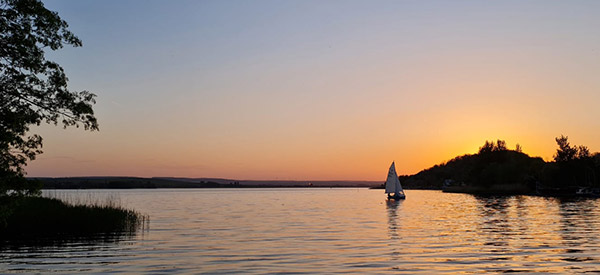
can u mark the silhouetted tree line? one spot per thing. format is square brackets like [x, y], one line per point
[496, 165]
[572, 166]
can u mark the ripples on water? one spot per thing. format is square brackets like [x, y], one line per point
[333, 231]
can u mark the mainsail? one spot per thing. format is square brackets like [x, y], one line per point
[392, 184]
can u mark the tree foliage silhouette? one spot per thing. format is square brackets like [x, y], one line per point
[490, 146]
[33, 90]
[518, 148]
[565, 151]
[573, 166]
[494, 165]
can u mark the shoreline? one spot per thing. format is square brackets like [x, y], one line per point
[159, 183]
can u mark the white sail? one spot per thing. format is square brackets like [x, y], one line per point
[398, 186]
[392, 184]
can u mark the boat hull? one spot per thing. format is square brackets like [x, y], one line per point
[396, 197]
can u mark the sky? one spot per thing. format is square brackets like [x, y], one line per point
[321, 90]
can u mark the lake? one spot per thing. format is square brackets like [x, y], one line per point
[321, 230]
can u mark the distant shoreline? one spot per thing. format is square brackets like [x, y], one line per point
[85, 183]
[166, 182]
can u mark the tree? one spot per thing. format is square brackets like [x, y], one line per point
[487, 147]
[500, 145]
[564, 152]
[33, 90]
[583, 152]
[518, 148]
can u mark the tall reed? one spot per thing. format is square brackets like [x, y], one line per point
[58, 215]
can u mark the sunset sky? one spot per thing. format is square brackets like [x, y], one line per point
[330, 90]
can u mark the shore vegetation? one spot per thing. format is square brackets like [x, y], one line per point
[34, 91]
[42, 218]
[496, 169]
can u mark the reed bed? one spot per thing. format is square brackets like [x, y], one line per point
[60, 215]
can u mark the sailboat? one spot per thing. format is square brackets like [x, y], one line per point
[392, 185]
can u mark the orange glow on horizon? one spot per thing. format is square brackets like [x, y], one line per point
[312, 93]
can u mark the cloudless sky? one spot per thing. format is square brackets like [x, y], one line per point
[321, 89]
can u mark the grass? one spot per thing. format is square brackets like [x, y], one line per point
[42, 217]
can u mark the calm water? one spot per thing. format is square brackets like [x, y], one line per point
[332, 231]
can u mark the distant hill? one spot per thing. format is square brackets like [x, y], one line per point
[496, 170]
[168, 182]
[281, 183]
[118, 183]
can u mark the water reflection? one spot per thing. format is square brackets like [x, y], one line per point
[494, 224]
[69, 253]
[392, 212]
[68, 240]
[64, 255]
[539, 232]
[521, 223]
[578, 222]
[310, 231]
